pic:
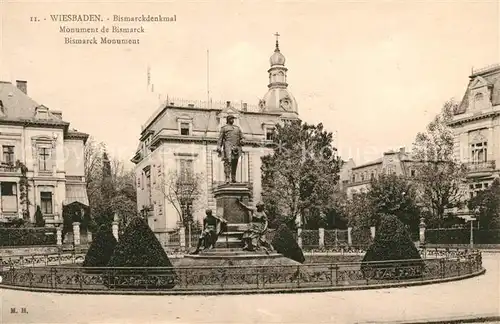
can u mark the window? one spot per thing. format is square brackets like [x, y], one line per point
[477, 187]
[44, 159]
[8, 188]
[479, 96]
[479, 152]
[269, 133]
[46, 202]
[184, 128]
[353, 178]
[412, 173]
[8, 154]
[186, 170]
[362, 177]
[372, 176]
[147, 175]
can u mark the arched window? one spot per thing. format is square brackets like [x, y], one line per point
[479, 96]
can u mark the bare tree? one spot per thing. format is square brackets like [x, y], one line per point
[182, 190]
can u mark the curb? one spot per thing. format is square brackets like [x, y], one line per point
[242, 291]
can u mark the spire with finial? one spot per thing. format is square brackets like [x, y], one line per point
[277, 58]
[277, 49]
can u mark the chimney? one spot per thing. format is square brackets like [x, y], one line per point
[244, 106]
[22, 85]
[402, 150]
[228, 104]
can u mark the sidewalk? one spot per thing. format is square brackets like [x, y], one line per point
[478, 297]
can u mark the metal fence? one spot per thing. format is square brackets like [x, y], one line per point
[233, 278]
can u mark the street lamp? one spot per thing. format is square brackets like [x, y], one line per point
[471, 219]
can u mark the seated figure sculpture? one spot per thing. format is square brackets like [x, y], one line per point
[212, 227]
[254, 237]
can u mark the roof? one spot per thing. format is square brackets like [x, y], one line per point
[373, 162]
[491, 75]
[204, 120]
[18, 106]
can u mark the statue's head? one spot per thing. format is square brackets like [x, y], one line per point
[208, 212]
[260, 206]
[230, 119]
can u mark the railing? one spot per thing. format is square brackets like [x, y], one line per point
[236, 278]
[481, 166]
[40, 260]
[8, 168]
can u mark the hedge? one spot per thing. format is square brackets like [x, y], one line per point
[461, 236]
[335, 237]
[310, 237]
[27, 236]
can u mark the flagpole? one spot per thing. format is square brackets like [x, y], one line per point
[208, 79]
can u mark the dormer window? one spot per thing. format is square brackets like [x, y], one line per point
[185, 128]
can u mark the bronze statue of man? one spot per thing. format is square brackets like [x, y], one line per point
[229, 148]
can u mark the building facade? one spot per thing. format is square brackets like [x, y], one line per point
[392, 162]
[42, 161]
[181, 137]
[476, 128]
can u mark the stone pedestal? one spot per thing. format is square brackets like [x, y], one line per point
[422, 231]
[321, 237]
[59, 235]
[76, 233]
[372, 231]
[114, 229]
[182, 237]
[228, 207]
[226, 197]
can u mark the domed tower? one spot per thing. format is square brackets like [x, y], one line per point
[278, 98]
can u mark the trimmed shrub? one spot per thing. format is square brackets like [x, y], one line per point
[361, 237]
[39, 221]
[101, 249]
[392, 243]
[139, 247]
[284, 242]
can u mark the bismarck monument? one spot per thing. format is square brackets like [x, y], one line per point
[235, 235]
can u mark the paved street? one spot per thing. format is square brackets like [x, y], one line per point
[476, 296]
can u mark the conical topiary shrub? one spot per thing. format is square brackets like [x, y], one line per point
[101, 249]
[139, 247]
[392, 243]
[284, 242]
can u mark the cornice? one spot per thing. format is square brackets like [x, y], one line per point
[474, 118]
[36, 123]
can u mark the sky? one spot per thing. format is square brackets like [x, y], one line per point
[373, 72]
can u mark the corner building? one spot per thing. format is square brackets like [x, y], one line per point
[182, 136]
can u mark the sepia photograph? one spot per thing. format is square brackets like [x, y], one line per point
[280, 161]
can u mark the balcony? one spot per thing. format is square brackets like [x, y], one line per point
[480, 168]
[8, 168]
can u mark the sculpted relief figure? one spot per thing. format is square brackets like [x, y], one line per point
[229, 148]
